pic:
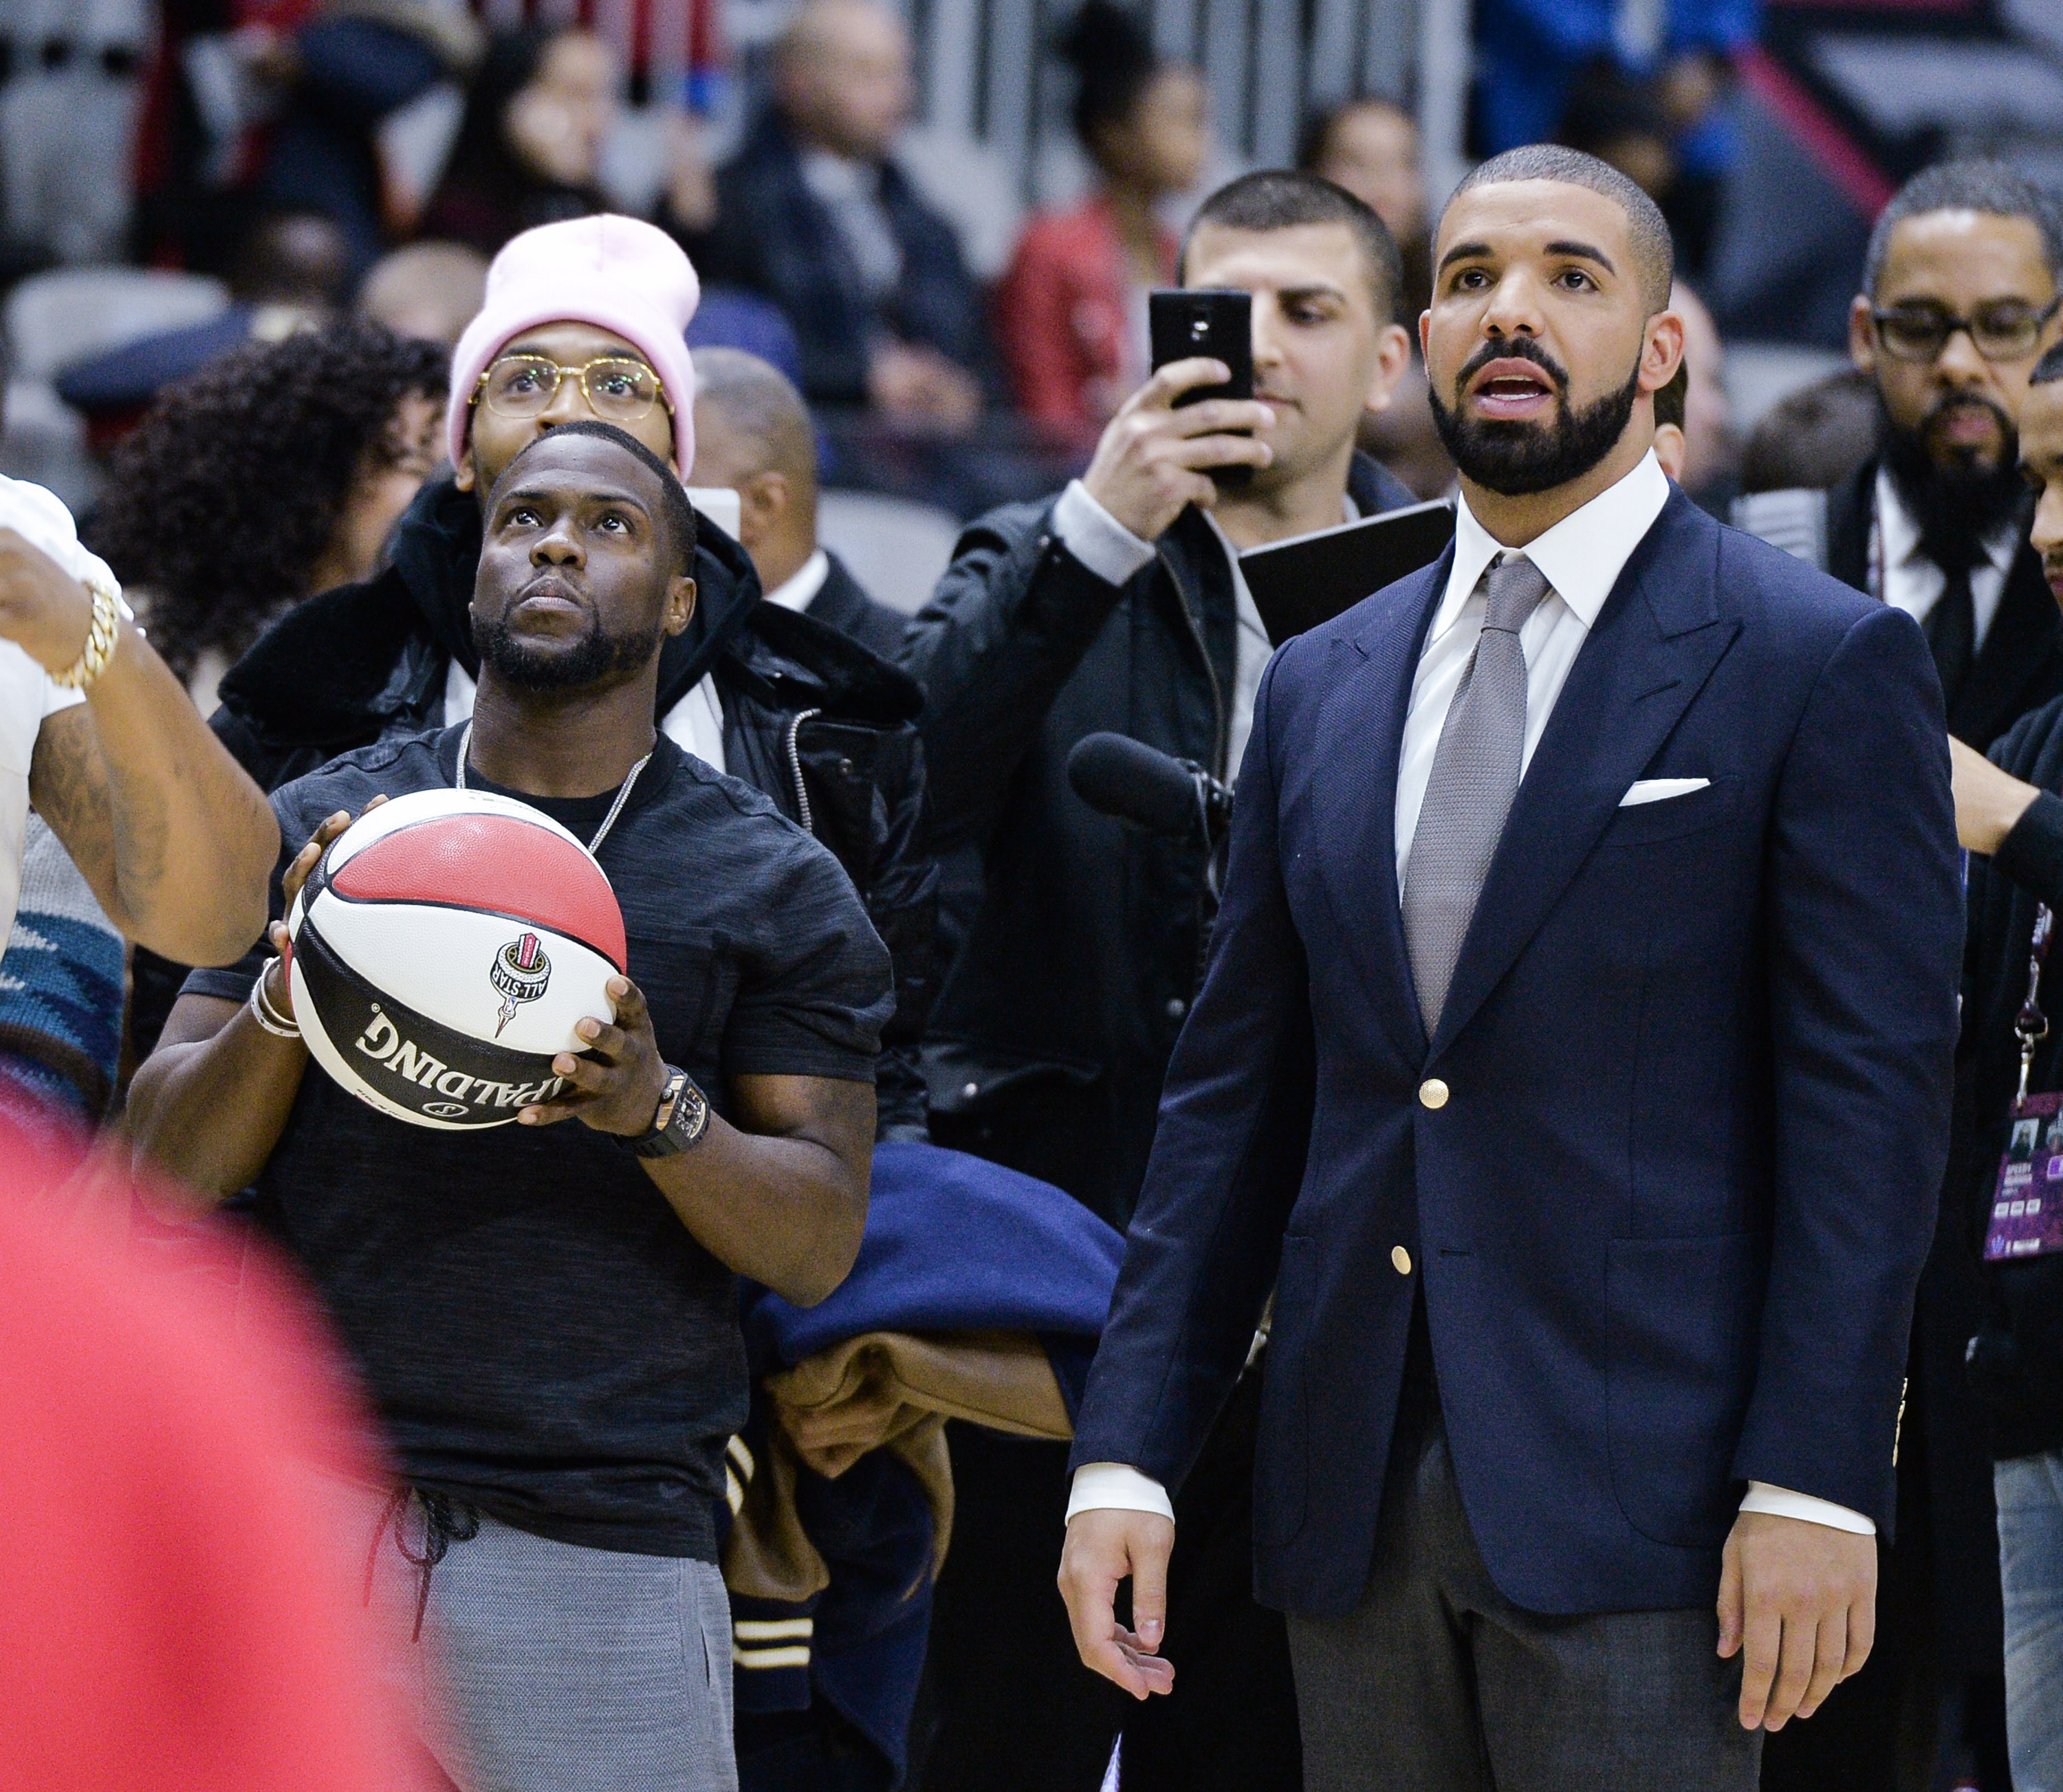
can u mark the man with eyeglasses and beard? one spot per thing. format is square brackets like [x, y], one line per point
[2011, 819]
[1959, 298]
[1959, 301]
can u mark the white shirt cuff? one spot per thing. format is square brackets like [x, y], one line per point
[1780, 1502]
[1097, 539]
[1114, 1487]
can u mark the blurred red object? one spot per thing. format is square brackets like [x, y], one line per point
[176, 1608]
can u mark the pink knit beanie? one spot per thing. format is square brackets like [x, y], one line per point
[617, 274]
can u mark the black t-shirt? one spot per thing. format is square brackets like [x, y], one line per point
[541, 1334]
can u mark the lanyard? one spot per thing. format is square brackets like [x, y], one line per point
[2030, 1024]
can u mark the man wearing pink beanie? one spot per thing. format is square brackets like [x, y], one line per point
[600, 286]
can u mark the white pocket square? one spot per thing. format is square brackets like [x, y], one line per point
[1660, 789]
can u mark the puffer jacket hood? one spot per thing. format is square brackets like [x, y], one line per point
[326, 667]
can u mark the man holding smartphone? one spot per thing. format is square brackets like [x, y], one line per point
[1119, 605]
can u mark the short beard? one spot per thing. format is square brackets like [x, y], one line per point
[594, 657]
[1960, 507]
[1515, 458]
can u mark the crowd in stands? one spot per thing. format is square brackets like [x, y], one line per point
[298, 151]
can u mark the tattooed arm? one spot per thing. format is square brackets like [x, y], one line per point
[176, 842]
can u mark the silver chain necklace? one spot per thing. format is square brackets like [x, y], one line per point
[615, 808]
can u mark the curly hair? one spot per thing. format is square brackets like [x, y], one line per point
[222, 500]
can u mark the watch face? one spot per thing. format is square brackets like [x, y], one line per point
[690, 1113]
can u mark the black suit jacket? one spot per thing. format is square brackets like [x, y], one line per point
[2020, 666]
[842, 603]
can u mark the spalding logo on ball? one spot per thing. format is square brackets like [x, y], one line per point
[443, 949]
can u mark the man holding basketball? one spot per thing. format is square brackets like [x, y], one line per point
[545, 1318]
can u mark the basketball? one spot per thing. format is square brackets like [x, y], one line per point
[442, 950]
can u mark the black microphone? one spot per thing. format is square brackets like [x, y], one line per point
[1116, 775]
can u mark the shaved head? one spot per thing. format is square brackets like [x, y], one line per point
[753, 433]
[1654, 251]
[832, 28]
[750, 418]
[841, 73]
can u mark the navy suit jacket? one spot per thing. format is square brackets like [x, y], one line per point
[1670, 1219]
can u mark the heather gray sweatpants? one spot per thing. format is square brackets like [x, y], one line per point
[546, 1667]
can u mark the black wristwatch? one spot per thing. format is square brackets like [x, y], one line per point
[680, 1122]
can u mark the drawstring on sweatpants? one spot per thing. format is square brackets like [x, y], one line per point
[445, 1521]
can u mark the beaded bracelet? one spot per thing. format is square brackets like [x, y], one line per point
[263, 1011]
[100, 637]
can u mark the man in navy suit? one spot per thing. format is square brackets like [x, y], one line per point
[1575, 1061]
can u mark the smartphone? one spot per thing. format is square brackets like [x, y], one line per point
[1214, 321]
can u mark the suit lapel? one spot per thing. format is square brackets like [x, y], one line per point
[1657, 639]
[1353, 786]
[2021, 637]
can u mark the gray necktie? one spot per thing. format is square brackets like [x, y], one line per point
[1475, 776]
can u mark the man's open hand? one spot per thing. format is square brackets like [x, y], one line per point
[1153, 459]
[615, 1085]
[1103, 1547]
[1800, 1599]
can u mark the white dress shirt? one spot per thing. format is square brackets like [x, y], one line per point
[1908, 580]
[800, 590]
[850, 190]
[1581, 557]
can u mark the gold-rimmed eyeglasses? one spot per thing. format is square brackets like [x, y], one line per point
[619, 389]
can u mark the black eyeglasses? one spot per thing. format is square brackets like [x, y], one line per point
[2007, 331]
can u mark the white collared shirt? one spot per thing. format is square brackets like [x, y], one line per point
[1581, 557]
[850, 190]
[800, 590]
[1913, 583]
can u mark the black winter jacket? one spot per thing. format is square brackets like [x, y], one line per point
[811, 717]
[1052, 1034]
[2016, 1360]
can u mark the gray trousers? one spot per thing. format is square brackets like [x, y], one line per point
[546, 1667]
[1439, 1683]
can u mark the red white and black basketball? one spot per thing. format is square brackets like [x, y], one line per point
[443, 950]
